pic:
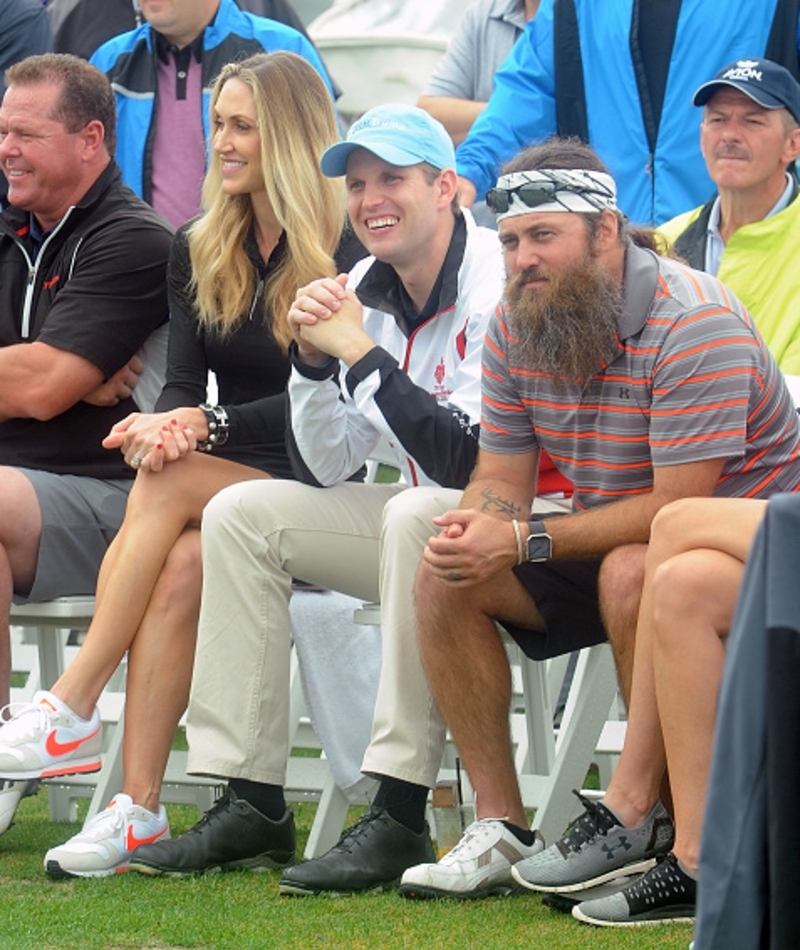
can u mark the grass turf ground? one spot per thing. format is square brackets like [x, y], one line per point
[242, 911]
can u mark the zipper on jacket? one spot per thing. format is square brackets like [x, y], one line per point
[25, 329]
[33, 272]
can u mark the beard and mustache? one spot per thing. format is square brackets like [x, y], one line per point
[568, 328]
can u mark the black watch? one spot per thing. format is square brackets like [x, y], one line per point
[539, 545]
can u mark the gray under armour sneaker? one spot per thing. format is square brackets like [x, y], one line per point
[666, 894]
[597, 848]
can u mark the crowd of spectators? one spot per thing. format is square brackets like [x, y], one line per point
[587, 408]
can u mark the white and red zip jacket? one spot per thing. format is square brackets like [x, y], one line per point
[419, 390]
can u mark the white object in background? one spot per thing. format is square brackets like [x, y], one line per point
[793, 382]
[383, 51]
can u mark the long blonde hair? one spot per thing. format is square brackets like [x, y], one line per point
[296, 123]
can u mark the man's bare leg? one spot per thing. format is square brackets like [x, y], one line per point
[620, 585]
[468, 671]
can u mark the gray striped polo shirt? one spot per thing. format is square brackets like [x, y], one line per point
[692, 381]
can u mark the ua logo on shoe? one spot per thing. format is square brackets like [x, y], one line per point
[622, 843]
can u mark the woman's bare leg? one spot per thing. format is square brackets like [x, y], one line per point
[725, 525]
[694, 595]
[160, 670]
[161, 505]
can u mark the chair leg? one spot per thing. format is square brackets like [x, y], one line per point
[593, 690]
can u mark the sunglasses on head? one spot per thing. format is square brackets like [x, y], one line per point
[531, 193]
[535, 193]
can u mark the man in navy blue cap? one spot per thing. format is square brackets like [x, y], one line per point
[749, 233]
[388, 354]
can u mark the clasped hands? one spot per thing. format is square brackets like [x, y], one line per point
[148, 440]
[326, 320]
[471, 547]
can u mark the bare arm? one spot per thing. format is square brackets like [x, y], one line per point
[472, 546]
[456, 115]
[595, 532]
[39, 381]
[471, 542]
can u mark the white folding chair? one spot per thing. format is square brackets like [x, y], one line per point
[550, 760]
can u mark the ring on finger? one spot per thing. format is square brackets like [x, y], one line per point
[136, 461]
[454, 576]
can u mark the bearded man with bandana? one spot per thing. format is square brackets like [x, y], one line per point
[645, 382]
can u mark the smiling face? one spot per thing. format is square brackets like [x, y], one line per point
[44, 164]
[395, 210]
[236, 141]
[746, 146]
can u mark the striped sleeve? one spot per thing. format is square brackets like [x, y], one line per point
[505, 424]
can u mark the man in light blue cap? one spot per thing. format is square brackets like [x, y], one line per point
[389, 354]
[400, 135]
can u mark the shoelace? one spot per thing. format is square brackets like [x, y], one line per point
[111, 820]
[594, 821]
[477, 830]
[352, 837]
[27, 723]
[211, 814]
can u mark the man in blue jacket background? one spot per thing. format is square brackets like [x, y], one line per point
[162, 73]
[620, 75]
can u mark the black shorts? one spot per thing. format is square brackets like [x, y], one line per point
[565, 594]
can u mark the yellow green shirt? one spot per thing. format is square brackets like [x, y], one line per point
[761, 265]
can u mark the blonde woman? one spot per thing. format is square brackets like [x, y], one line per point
[272, 223]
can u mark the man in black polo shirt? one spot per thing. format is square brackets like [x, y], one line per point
[83, 265]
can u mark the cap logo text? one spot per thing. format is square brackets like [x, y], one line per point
[744, 70]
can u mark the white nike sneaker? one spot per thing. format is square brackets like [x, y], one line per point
[479, 865]
[105, 843]
[11, 793]
[45, 739]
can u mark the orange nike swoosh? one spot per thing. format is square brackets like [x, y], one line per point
[54, 747]
[132, 841]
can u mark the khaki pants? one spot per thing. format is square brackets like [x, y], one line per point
[361, 540]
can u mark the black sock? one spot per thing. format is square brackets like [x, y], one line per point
[268, 799]
[404, 801]
[525, 835]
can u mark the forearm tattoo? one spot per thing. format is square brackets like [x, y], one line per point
[495, 505]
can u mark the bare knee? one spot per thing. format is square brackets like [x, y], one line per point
[620, 587]
[439, 604]
[429, 592]
[670, 527]
[181, 578]
[693, 593]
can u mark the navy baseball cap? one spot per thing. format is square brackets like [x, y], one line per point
[399, 134]
[770, 85]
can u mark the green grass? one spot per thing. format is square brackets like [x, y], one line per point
[242, 911]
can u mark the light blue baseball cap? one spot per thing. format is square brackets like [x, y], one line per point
[399, 134]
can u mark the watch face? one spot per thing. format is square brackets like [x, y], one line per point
[540, 547]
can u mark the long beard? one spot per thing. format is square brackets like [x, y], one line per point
[567, 329]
